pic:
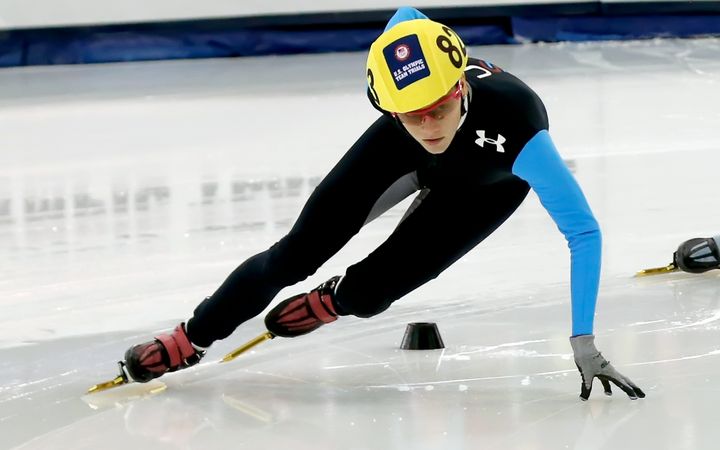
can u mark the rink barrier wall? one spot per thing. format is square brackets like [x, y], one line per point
[352, 31]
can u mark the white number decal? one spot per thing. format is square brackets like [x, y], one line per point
[485, 73]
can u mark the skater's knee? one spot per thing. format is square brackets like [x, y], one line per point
[364, 312]
[360, 303]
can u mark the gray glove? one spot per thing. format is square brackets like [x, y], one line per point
[591, 363]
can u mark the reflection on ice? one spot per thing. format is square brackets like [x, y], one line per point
[130, 206]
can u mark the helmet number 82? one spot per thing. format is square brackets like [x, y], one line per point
[446, 46]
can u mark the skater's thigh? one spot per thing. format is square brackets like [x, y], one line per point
[447, 224]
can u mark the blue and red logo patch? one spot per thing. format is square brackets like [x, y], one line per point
[406, 61]
[402, 52]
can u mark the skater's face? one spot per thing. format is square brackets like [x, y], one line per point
[434, 126]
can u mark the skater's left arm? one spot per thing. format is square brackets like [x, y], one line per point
[540, 164]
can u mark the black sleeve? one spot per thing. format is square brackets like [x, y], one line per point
[507, 107]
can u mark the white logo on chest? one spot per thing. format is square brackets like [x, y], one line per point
[496, 142]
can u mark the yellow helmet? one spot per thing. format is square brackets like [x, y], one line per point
[413, 64]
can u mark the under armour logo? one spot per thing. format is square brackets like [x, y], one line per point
[496, 142]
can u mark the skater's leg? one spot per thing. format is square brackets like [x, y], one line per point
[291, 260]
[335, 211]
[448, 223]
[307, 312]
[364, 182]
[169, 352]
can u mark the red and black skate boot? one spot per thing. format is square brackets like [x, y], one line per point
[697, 255]
[304, 313]
[166, 353]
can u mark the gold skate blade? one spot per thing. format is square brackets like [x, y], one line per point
[242, 349]
[117, 381]
[110, 398]
[658, 270]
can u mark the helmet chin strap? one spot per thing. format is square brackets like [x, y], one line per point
[464, 106]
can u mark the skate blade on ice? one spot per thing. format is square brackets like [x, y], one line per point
[133, 391]
[115, 382]
[123, 378]
[245, 347]
[658, 270]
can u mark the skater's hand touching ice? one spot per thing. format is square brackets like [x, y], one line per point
[591, 364]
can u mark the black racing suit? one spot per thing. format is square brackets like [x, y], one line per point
[465, 194]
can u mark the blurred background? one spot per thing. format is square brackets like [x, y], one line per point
[86, 31]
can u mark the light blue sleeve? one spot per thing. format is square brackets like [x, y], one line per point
[540, 164]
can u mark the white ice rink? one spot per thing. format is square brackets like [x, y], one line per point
[128, 192]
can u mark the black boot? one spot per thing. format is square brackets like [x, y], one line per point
[697, 255]
[304, 313]
[166, 353]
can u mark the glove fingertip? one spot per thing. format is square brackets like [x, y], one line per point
[606, 387]
[584, 392]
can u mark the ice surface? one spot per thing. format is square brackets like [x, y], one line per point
[128, 192]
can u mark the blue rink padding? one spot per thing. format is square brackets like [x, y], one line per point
[185, 40]
[553, 29]
[11, 54]
[80, 46]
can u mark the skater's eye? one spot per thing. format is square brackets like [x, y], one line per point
[437, 110]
